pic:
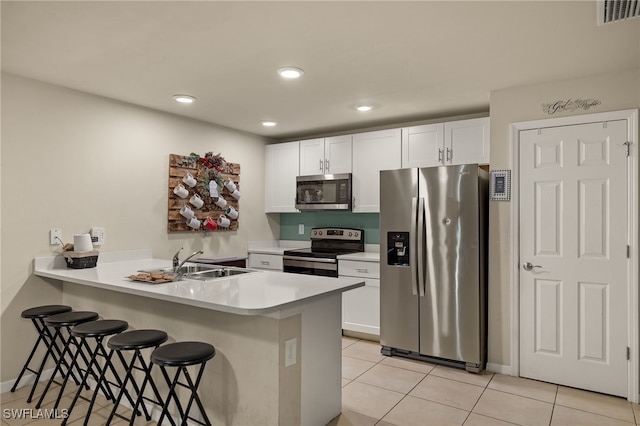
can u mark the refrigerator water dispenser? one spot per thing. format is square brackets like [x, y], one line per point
[398, 248]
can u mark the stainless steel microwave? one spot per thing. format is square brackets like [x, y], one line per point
[323, 192]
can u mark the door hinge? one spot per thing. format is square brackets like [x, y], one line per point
[628, 147]
[628, 353]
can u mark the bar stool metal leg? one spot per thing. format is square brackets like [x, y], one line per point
[59, 322]
[136, 340]
[182, 355]
[97, 330]
[37, 316]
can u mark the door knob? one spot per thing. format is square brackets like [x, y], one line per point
[527, 266]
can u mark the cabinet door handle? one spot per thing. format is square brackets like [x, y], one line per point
[326, 165]
[362, 270]
[321, 164]
[440, 155]
[449, 154]
[265, 262]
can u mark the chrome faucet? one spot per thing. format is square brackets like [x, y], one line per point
[177, 268]
[176, 260]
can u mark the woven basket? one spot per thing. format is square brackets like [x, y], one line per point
[81, 259]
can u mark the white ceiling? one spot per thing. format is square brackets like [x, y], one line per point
[414, 60]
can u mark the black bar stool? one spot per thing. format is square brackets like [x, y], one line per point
[182, 355]
[97, 330]
[62, 322]
[136, 340]
[37, 316]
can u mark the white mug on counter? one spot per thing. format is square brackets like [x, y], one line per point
[82, 242]
[193, 223]
[189, 180]
[186, 212]
[181, 191]
[232, 213]
[196, 201]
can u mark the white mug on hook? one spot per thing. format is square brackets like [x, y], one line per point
[193, 223]
[186, 212]
[196, 201]
[181, 191]
[221, 202]
[230, 185]
[232, 213]
[223, 221]
[189, 180]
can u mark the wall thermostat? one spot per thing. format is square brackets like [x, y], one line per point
[500, 185]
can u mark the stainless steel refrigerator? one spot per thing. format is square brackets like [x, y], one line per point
[433, 225]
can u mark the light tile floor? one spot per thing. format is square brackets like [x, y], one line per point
[384, 391]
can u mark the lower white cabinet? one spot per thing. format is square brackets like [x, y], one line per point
[265, 261]
[361, 306]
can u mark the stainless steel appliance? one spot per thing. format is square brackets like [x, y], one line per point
[322, 257]
[433, 224]
[323, 192]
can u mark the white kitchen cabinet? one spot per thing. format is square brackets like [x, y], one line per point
[265, 261]
[325, 155]
[361, 306]
[421, 145]
[454, 142]
[281, 169]
[467, 141]
[372, 152]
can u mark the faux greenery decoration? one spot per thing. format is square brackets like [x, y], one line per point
[209, 168]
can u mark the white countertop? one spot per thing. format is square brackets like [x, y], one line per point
[363, 256]
[276, 247]
[257, 293]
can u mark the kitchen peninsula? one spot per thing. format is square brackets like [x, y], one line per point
[277, 335]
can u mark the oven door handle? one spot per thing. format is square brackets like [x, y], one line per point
[309, 259]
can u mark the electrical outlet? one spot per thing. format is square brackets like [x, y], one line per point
[301, 228]
[55, 237]
[290, 352]
[97, 236]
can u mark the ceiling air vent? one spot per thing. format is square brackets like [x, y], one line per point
[617, 10]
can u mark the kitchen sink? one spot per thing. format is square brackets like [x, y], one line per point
[201, 272]
[217, 273]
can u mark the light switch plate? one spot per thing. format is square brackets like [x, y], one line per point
[301, 229]
[97, 236]
[55, 237]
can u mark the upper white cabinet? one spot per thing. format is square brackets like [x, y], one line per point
[325, 155]
[467, 141]
[422, 146]
[454, 142]
[372, 152]
[281, 169]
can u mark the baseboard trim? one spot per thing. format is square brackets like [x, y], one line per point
[499, 368]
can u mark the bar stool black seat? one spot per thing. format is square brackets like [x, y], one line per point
[37, 316]
[136, 340]
[182, 355]
[97, 330]
[60, 322]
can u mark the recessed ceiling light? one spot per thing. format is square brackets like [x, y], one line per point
[269, 123]
[364, 108]
[184, 99]
[290, 72]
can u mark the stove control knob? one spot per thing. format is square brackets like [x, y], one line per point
[350, 233]
[315, 232]
[320, 232]
[355, 235]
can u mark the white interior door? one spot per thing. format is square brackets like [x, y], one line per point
[573, 256]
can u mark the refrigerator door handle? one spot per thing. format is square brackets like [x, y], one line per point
[413, 241]
[421, 248]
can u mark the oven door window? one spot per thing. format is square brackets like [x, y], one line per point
[310, 267]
